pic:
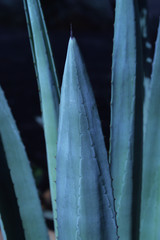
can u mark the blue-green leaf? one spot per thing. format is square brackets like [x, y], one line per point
[85, 205]
[48, 86]
[147, 92]
[10, 215]
[21, 174]
[2, 229]
[122, 113]
[150, 207]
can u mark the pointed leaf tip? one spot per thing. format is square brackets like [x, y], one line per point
[71, 31]
[86, 211]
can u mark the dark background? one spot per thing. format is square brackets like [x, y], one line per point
[92, 22]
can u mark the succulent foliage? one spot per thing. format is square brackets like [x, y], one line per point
[48, 87]
[21, 175]
[150, 209]
[2, 229]
[122, 113]
[82, 166]
[93, 196]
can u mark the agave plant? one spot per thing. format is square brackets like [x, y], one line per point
[95, 195]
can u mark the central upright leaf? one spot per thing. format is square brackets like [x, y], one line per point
[85, 205]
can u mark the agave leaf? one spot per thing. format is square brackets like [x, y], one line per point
[150, 208]
[147, 92]
[48, 87]
[85, 205]
[21, 174]
[2, 229]
[37, 30]
[10, 215]
[122, 113]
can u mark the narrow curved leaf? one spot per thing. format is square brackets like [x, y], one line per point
[48, 87]
[85, 204]
[21, 174]
[9, 209]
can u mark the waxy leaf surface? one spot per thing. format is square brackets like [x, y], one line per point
[85, 205]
